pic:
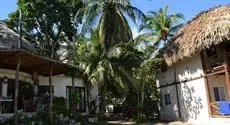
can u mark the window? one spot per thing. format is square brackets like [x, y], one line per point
[167, 99]
[81, 106]
[219, 93]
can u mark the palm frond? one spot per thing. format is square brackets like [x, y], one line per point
[176, 17]
[146, 37]
[134, 13]
[91, 12]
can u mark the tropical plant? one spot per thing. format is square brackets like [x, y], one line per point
[59, 106]
[147, 92]
[159, 26]
[111, 71]
[109, 16]
[109, 56]
[48, 24]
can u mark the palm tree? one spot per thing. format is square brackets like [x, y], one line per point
[109, 56]
[110, 70]
[109, 17]
[159, 26]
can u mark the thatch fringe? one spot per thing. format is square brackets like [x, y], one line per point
[9, 39]
[208, 28]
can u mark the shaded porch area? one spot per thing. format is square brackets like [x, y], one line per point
[216, 67]
[19, 96]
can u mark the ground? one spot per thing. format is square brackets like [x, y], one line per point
[119, 122]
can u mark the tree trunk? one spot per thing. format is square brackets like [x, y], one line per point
[16, 91]
[142, 102]
[102, 101]
[51, 95]
[138, 103]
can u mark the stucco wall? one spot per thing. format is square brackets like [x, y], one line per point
[193, 101]
[192, 94]
[169, 112]
[59, 82]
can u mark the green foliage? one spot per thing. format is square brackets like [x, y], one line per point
[104, 53]
[59, 106]
[108, 17]
[46, 23]
[44, 116]
[76, 96]
[159, 26]
[26, 90]
[110, 69]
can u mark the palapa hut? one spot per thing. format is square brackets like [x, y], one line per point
[194, 81]
[29, 81]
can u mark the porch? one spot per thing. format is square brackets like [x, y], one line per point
[27, 94]
[215, 61]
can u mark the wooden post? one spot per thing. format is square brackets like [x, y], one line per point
[206, 84]
[208, 96]
[51, 95]
[73, 98]
[177, 93]
[16, 91]
[73, 75]
[227, 77]
[227, 82]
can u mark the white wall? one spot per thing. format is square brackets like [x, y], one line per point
[169, 112]
[59, 82]
[193, 101]
[187, 69]
[11, 75]
[192, 94]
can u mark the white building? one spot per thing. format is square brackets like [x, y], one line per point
[195, 81]
[26, 78]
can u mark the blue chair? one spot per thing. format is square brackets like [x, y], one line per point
[224, 107]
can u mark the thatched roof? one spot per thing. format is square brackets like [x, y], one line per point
[208, 28]
[9, 39]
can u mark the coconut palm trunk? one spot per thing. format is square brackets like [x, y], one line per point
[102, 101]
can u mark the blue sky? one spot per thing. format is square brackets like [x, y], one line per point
[6, 7]
[188, 7]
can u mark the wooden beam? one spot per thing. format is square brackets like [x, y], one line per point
[4, 58]
[221, 116]
[208, 96]
[38, 66]
[51, 94]
[16, 91]
[227, 78]
[180, 82]
[227, 75]
[215, 73]
[73, 80]
[206, 86]
[177, 93]
[73, 98]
